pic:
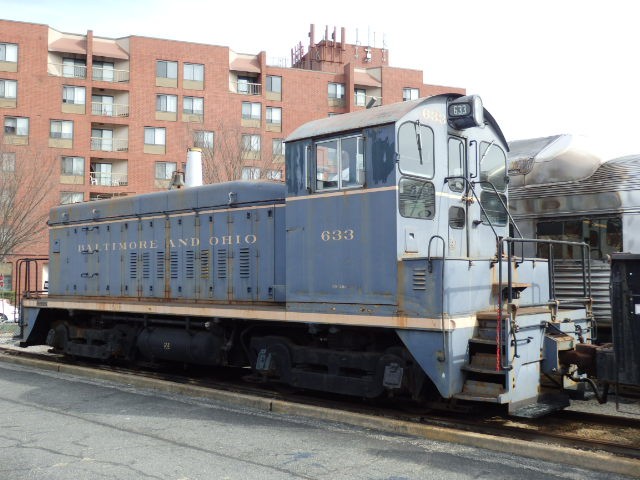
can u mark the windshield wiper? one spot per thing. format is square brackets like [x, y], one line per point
[487, 151]
[419, 140]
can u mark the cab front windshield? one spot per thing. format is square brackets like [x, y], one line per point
[416, 149]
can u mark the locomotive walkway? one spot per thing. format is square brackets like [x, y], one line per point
[57, 425]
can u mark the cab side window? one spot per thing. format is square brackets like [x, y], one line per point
[340, 163]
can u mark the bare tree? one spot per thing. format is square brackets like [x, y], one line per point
[26, 184]
[233, 152]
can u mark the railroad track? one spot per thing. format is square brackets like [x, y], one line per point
[612, 435]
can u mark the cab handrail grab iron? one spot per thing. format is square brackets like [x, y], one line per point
[441, 358]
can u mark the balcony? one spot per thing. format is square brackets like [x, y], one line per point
[108, 179]
[245, 88]
[337, 102]
[110, 144]
[112, 75]
[109, 109]
[67, 71]
[362, 100]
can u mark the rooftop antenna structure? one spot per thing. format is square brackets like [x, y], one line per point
[367, 55]
[384, 48]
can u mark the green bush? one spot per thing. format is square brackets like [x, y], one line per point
[8, 294]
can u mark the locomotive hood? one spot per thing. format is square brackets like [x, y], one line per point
[216, 196]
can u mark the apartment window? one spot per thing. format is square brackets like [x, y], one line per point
[74, 68]
[73, 166]
[274, 84]
[277, 145]
[8, 52]
[274, 115]
[74, 95]
[410, 94]
[251, 111]
[274, 174]
[154, 136]
[101, 174]
[361, 97]
[102, 105]
[71, 197]
[336, 90]
[166, 103]
[61, 129]
[203, 139]
[8, 88]
[8, 162]
[250, 173]
[103, 71]
[193, 105]
[101, 139]
[251, 143]
[16, 126]
[166, 69]
[194, 71]
[164, 170]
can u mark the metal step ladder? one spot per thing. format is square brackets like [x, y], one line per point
[486, 380]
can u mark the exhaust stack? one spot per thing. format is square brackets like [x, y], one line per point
[193, 173]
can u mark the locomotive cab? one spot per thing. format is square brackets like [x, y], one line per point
[416, 245]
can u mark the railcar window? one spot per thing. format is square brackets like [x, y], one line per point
[602, 234]
[416, 198]
[493, 164]
[415, 149]
[456, 164]
[614, 235]
[340, 163]
[495, 212]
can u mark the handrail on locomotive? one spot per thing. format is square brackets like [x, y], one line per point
[507, 244]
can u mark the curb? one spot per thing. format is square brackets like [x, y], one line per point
[596, 461]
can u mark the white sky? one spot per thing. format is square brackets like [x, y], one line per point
[542, 67]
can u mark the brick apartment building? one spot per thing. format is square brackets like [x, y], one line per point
[116, 116]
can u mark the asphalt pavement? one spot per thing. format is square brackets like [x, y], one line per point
[58, 426]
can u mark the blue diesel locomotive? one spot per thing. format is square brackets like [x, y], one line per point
[384, 267]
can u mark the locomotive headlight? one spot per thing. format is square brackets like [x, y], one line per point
[465, 112]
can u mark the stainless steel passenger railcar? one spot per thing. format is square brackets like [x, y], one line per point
[561, 190]
[385, 268]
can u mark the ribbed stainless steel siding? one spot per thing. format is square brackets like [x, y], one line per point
[568, 280]
[617, 175]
